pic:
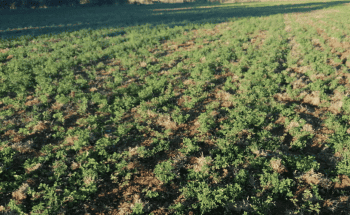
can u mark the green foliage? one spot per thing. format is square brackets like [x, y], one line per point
[163, 172]
[206, 112]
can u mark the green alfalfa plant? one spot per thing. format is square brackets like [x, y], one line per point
[178, 116]
[206, 119]
[137, 209]
[163, 172]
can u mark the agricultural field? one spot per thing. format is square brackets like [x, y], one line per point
[199, 108]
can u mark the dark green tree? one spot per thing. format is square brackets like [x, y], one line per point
[5, 4]
[107, 2]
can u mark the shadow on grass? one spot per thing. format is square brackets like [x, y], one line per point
[69, 19]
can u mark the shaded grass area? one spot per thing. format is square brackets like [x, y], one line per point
[53, 21]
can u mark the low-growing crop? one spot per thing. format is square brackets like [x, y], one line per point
[210, 109]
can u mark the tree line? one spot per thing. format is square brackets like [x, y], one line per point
[6, 4]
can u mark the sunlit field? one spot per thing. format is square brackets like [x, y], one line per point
[194, 108]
